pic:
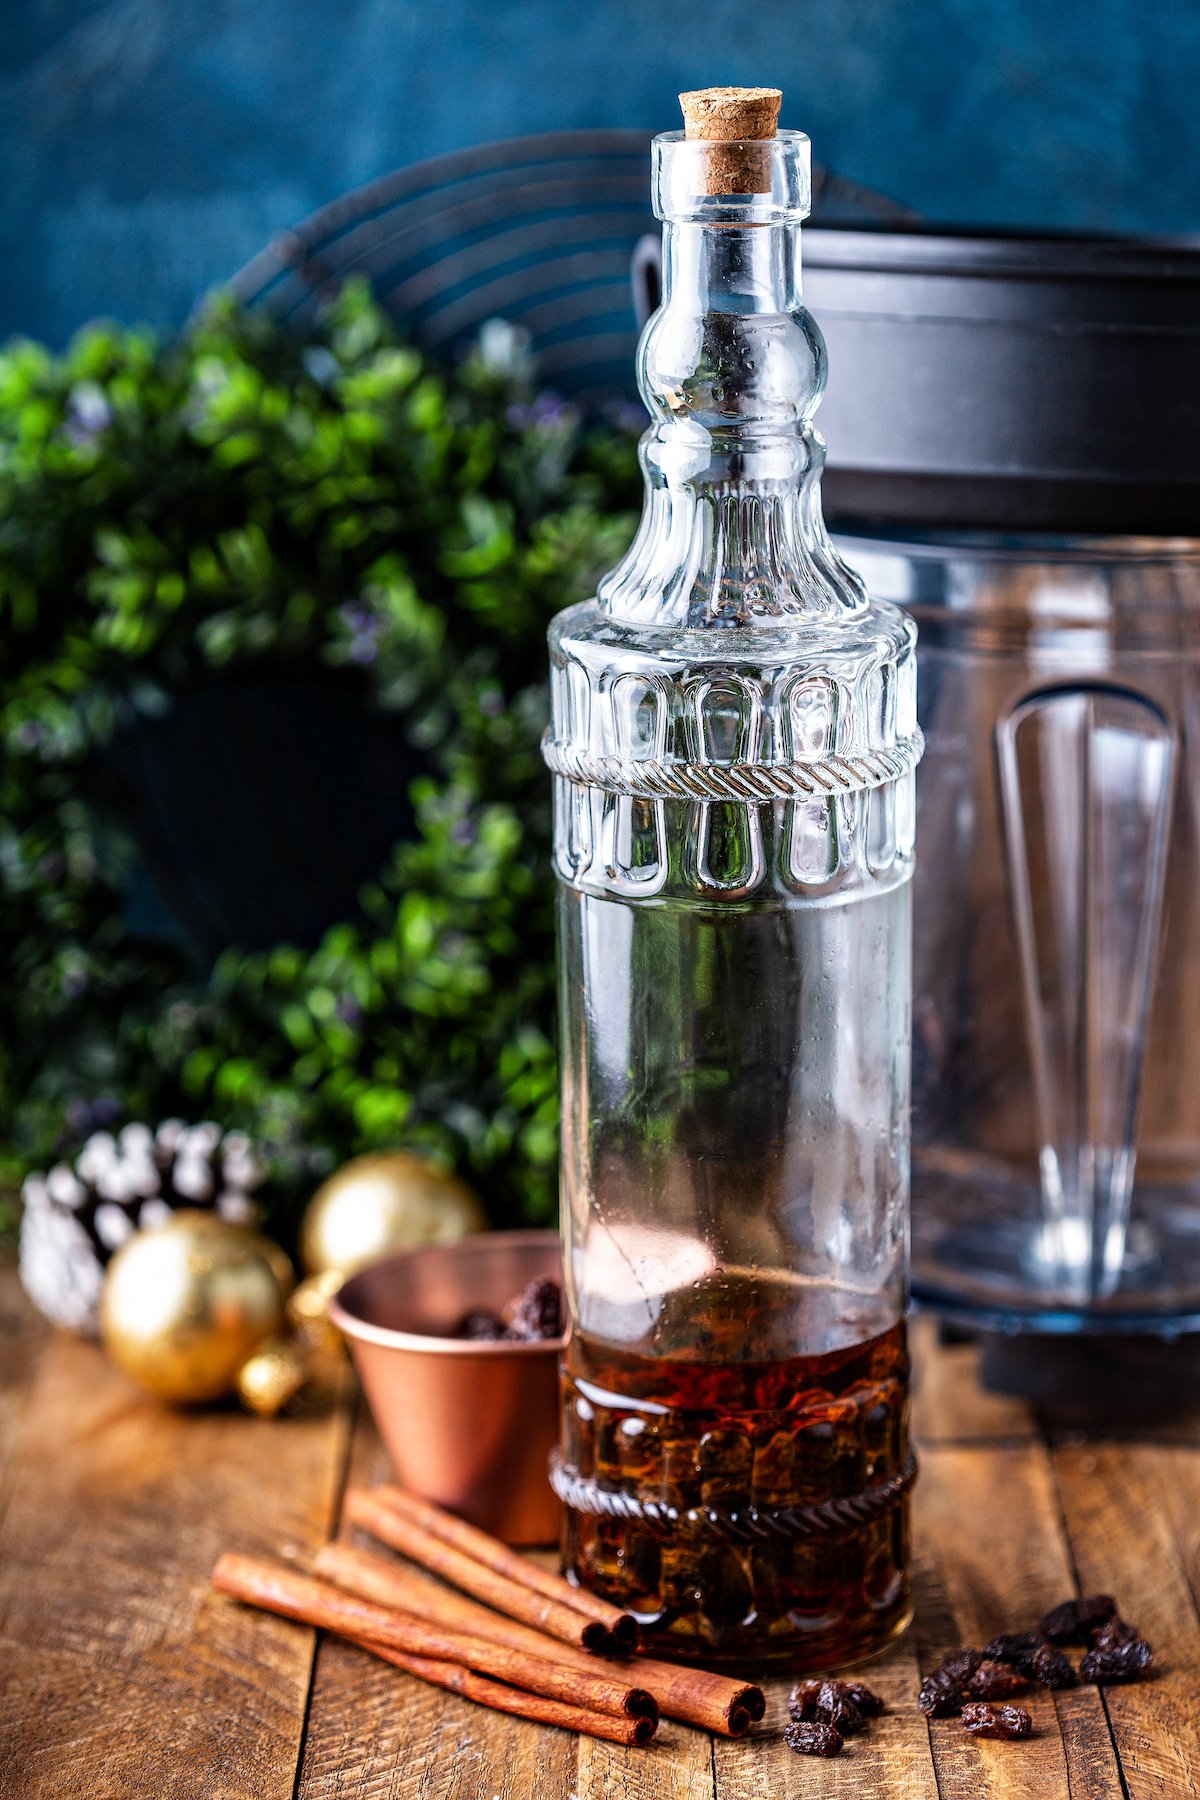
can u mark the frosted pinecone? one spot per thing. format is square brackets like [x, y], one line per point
[77, 1215]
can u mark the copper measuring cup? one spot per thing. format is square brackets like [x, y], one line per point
[467, 1424]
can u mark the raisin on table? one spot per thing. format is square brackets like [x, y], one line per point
[1124, 1662]
[982, 1719]
[835, 1706]
[868, 1703]
[1016, 1647]
[1050, 1668]
[802, 1701]
[942, 1690]
[994, 1681]
[810, 1737]
[846, 1705]
[1115, 1632]
[1074, 1621]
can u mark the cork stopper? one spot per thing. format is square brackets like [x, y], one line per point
[737, 123]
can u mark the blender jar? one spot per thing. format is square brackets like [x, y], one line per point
[1056, 1107]
[1014, 457]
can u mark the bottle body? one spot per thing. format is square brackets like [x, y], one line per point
[734, 1022]
[733, 745]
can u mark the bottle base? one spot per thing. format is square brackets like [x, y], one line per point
[796, 1653]
[745, 1513]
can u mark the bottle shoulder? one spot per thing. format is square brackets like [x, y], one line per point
[879, 633]
[797, 693]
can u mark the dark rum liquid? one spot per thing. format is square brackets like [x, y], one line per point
[747, 1511]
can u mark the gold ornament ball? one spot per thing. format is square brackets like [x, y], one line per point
[389, 1201]
[273, 1376]
[185, 1305]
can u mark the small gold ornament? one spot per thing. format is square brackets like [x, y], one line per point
[187, 1304]
[273, 1376]
[389, 1201]
[308, 1312]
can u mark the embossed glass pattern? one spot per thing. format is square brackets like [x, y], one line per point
[733, 741]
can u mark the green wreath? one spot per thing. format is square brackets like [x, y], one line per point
[240, 497]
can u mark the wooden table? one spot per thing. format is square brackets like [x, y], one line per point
[122, 1676]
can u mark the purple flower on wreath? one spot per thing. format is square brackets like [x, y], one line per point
[349, 1011]
[88, 417]
[86, 1116]
[626, 415]
[365, 628]
[550, 412]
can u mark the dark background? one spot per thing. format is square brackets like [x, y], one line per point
[149, 147]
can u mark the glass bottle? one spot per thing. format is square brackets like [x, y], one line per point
[733, 744]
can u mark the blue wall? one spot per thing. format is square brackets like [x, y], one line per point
[149, 147]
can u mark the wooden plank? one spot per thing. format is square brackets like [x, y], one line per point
[120, 1672]
[991, 1557]
[890, 1761]
[375, 1734]
[1178, 1480]
[1130, 1515]
[950, 1405]
[23, 1338]
[678, 1765]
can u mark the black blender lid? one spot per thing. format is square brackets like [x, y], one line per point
[1009, 382]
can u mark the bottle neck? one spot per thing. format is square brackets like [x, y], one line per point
[731, 268]
[731, 368]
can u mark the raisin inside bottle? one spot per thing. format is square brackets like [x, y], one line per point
[758, 1509]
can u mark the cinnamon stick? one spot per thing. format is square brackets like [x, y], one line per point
[505, 1561]
[403, 1533]
[295, 1596]
[501, 1698]
[694, 1696]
